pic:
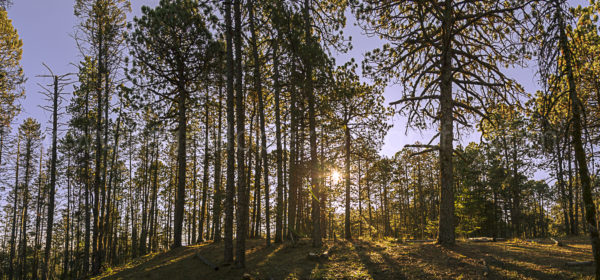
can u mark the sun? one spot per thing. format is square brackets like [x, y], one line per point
[336, 176]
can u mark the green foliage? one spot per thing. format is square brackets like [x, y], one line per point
[172, 49]
[11, 72]
[30, 130]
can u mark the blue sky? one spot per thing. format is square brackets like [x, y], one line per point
[46, 28]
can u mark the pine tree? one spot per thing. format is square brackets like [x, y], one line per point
[182, 65]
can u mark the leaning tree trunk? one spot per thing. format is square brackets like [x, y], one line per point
[580, 156]
[205, 175]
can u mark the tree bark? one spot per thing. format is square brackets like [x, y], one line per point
[97, 174]
[580, 156]
[293, 169]
[347, 226]
[86, 249]
[52, 189]
[242, 195]
[153, 195]
[446, 223]
[218, 189]
[195, 191]
[66, 253]
[205, 175]
[561, 184]
[261, 115]
[230, 179]
[181, 168]
[280, 186]
[314, 169]
[14, 216]
[23, 244]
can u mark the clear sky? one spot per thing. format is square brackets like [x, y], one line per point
[46, 28]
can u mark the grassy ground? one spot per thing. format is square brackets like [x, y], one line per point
[362, 259]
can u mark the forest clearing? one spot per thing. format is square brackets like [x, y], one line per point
[299, 139]
[381, 259]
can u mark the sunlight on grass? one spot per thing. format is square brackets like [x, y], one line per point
[381, 259]
[270, 255]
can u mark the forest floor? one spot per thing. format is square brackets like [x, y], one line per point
[365, 259]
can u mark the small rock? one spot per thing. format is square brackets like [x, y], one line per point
[247, 276]
[313, 256]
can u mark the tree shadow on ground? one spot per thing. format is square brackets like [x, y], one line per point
[261, 263]
[521, 259]
[470, 261]
[365, 259]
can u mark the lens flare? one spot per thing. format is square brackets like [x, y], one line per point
[336, 176]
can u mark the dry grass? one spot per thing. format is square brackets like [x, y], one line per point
[362, 259]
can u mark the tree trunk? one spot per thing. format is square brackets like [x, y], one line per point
[66, 254]
[242, 195]
[257, 172]
[105, 205]
[23, 244]
[153, 195]
[52, 189]
[369, 205]
[360, 215]
[580, 156]
[347, 226]
[205, 175]
[230, 179]
[147, 164]
[280, 197]
[195, 191]
[38, 217]
[561, 183]
[261, 114]
[86, 249]
[314, 169]
[97, 174]
[14, 216]
[181, 169]
[218, 189]
[293, 169]
[446, 223]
